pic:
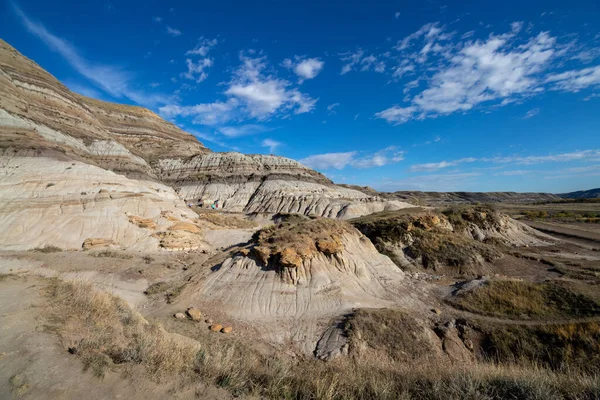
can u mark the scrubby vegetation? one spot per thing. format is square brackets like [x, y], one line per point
[526, 300]
[297, 238]
[110, 254]
[224, 220]
[169, 291]
[570, 347]
[112, 336]
[48, 249]
[431, 240]
[391, 334]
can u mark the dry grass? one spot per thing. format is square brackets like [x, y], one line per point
[107, 332]
[392, 334]
[223, 220]
[18, 385]
[526, 300]
[572, 348]
[110, 254]
[111, 335]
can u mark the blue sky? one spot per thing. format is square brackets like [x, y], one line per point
[423, 95]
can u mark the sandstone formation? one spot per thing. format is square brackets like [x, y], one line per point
[45, 201]
[266, 184]
[295, 300]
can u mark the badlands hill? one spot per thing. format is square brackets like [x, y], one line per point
[582, 194]
[74, 168]
[449, 198]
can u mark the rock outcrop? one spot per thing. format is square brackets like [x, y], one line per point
[40, 117]
[266, 184]
[295, 299]
[461, 241]
[73, 205]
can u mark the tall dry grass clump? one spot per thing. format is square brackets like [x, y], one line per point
[104, 331]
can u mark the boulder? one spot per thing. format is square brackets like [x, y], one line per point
[179, 315]
[227, 329]
[194, 314]
[216, 327]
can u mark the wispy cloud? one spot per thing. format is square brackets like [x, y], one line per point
[531, 113]
[203, 46]
[583, 155]
[355, 159]
[438, 182]
[242, 130]
[358, 61]
[113, 80]
[173, 31]
[331, 108]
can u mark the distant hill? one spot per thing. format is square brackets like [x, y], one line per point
[582, 194]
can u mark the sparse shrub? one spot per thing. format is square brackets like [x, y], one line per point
[110, 254]
[48, 249]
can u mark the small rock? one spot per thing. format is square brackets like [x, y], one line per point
[72, 350]
[194, 313]
[208, 321]
[216, 327]
[227, 329]
[468, 344]
[436, 311]
[180, 315]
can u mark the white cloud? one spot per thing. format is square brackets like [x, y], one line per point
[273, 145]
[428, 167]
[331, 108]
[243, 130]
[397, 14]
[264, 94]
[355, 60]
[253, 92]
[305, 68]
[531, 113]
[326, 161]
[329, 160]
[437, 182]
[206, 114]
[173, 32]
[203, 47]
[499, 68]
[575, 80]
[157, 19]
[196, 71]
[582, 155]
[113, 80]
[396, 114]
[351, 60]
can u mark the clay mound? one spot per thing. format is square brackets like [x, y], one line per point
[456, 241]
[48, 202]
[298, 277]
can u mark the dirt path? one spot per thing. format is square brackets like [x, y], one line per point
[585, 238]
